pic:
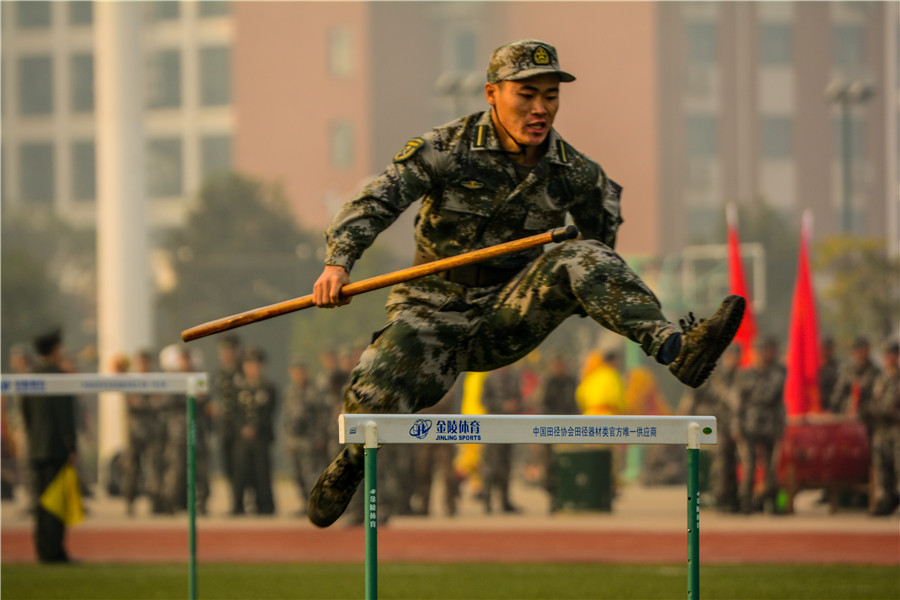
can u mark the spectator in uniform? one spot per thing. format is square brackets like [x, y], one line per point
[52, 444]
[853, 390]
[224, 398]
[716, 398]
[828, 374]
[885, 411]
[556, 396]
[305, 418]
[257, 400]
[146, 442]
[760, 422]
[502, 395]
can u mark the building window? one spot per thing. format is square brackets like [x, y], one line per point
[701, 42]
[775, 44]
[214, 8]
[81, 13]
[164, 174]
[35, 85]
[215, 73]
[342, 144]
[848, 46]
[340, 52]
[84, 171]
[215, 154]
[37, 173]
[164, 10]
[81, 84]
[33, 14]
[702, 136]
[164, 80]
[777, 137]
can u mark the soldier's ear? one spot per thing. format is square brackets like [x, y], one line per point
[490, 91]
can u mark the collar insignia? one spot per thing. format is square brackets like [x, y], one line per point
[472, 184]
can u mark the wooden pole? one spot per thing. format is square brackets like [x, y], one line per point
[373, 283]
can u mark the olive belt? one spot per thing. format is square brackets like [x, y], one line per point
[474, 275]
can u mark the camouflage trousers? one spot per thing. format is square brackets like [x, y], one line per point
[438, 329]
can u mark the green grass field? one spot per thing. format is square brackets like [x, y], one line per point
[447, 582]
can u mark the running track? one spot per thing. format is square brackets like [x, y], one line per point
[346, 545]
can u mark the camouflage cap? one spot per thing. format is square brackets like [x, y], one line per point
[522, 59]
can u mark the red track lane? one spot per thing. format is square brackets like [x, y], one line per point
[156, 545]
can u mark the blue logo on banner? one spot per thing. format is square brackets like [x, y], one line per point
[420, 428]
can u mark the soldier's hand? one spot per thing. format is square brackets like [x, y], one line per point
[327, 289]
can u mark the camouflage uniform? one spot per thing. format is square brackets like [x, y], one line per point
[252, 461]
[885, 410]
[556, 397]
[471, 199]
[853, 391]
[306, 418]
[502, 395]
[224, 394]
[715, 398]
[760, 420]
[146, 444]
[175, 453]
[482, 317]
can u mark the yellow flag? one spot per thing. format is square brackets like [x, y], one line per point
[62, 498]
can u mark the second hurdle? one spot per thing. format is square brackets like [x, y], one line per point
[372, 430]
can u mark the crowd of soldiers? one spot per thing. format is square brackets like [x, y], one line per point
[749, 406]
[244, 411]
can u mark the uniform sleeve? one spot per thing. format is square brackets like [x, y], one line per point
[596, 211]
[359, 222]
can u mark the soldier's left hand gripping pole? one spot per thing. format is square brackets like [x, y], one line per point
[560, 234]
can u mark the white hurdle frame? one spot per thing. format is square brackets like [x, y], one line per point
[372, 430]
[191, 384]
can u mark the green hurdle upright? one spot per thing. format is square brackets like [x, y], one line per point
[374, 430]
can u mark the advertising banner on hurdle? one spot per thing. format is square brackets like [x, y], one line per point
[525, 429]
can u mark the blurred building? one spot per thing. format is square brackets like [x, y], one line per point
[688, 105]
[49, 125]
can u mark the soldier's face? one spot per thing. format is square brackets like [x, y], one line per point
[526, 108]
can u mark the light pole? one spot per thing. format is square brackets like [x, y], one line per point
[845, 95]
[459, 87]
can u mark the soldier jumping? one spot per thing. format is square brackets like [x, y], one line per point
[484, 179]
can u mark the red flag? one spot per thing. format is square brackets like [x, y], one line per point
[801, 390]
[738, 285]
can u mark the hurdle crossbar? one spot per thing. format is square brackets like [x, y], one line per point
[372, 430]
[191, 384]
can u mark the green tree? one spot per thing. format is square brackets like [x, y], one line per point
[241, 249]
[860, 291]
[47, 270]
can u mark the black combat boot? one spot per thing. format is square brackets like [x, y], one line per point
[704, 341]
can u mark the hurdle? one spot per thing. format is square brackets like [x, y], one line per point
[191, 384]
[373, 430]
